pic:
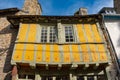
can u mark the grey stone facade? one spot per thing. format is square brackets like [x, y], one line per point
[31, 7]
[117, 6]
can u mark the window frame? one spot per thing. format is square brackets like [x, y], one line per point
[73, 30]
[48, 33]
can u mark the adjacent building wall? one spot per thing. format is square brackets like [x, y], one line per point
[7, 39]
[117, 6]
[113, 28]
[31, 7]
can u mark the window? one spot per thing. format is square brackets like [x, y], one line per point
[80, 78]
[90, 78]
[48, 34]
[46, 78]
[63, 78]
[27, 77]
[44, 34]
[101, 77]
[52, 37]
[69, 35]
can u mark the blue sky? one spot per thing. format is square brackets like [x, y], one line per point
[62, 7]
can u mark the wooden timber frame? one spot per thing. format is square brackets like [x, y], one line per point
[8, 11]
[71, 69]
[15, 20]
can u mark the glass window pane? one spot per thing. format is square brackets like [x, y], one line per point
[90, 78]
[44, 34]
[22, 76]
[31, 77]
[101, 77]
[69, 34]
[67, 40]
[52, 35]
[51, 31]
[80, 78]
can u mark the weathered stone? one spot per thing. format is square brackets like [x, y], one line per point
[8, 37]
[31, 7]
[117, 6]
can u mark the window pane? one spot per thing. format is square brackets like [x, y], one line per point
[31, 77]
[80, 78]
[67, 40]
[22, 76]
[101, 77]
[91, 78]
[52, 35]
[62, 78]
[47, 78]
[69, 34]
[44, 34]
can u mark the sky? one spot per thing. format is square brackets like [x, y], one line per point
[62, 7]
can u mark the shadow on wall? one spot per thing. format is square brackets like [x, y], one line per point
[8, 51]
[119, 40]
[119, 37]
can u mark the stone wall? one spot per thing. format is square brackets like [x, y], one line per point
[32, 7]
[117, 6]
[7, 39]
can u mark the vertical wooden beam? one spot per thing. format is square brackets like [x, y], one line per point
[54, 78]
[88, 47]
[85, 77]
[95, 77]
[37, 77]
[26, 39]
[60, 32]
[93, 36]
[70, 76]
[102, 36]
[47, 66]
[74, 77]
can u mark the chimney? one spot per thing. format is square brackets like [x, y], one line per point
[32, 7]
[82, 11]
[117, 6]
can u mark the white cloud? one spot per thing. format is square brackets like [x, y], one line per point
[92, 9]
[49, 8]
[73, 8]
[99, 4]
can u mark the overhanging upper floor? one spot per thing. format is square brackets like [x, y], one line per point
[59, 41]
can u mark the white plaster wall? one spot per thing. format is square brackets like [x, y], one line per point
[113, 28]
